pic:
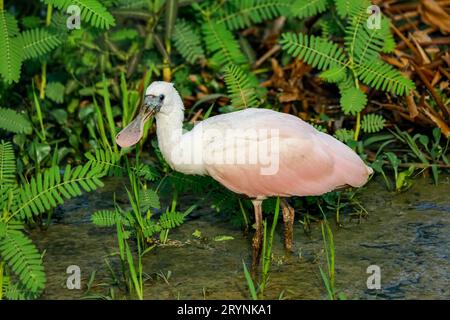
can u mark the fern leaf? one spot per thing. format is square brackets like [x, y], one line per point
[368, 43]
[106, 218]
[150, 228]
[15, 291]
[147, 172]
[240, 88]
[334, 75]
[92, 11]
[37, 42]
[221, 43]
[238, 14]
[187, 42]
[149, 199]
[10, 48]
[14, 122]
[344, 135]
[7, 166]
[350, 8]
[353, 100]
[308, 8]
[47, 190]
[372, 123]
[24, 259]
[107, 161]
[317, 52]
[383, 76]
[170, 220]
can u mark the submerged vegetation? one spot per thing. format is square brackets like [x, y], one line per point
[72, 77]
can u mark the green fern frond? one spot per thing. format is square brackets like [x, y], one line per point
[107, 160]
[346, 8]
[334, 75]
[222, 45]
[187, 41]
[238, 14]
[372, 123]
[106, 218]
[24, 259]
[147, 172]
[7, 165]
[317, 52]
[240, 89]
[368, 43]
[170, 220]
[344, 135]
[124, 34]
[10, 48]
[382, 76]
[150, 228]
[37, 42]
[353, 31]
[55, 91]
[149, 199]
[15, 291]
[353, 100]
[92, 11]
[15, 122]
[308, 8]
[47, 190]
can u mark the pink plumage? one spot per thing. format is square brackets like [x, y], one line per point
[310, 162]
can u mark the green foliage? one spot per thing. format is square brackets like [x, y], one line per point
[106, 218]
[7, 165]
[240, 88]
[382, 76]
[347, 8]
[315, 51]
[238, 14]
[308, 8]
[360, 61]
[15, 122]
[37, 42]
[92, 11]
[171, 219]
[372, 123]
[187, 42]
[149, 199]
[47, 190]
[222, 45]
[55, 92]
[10, 48]
[344, 135]
[24, 259]
[353, 100]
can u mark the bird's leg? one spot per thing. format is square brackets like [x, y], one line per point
[258, 237]
[288, 219]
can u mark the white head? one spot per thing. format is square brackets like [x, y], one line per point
[161, 98]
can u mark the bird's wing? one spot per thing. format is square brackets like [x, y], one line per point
[292, 158]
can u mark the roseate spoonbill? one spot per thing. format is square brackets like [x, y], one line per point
[308, 162]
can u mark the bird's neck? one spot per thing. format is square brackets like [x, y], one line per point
[169, 128]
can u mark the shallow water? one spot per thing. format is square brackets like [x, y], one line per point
[406, 235]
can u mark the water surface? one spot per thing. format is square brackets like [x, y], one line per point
[406, 235]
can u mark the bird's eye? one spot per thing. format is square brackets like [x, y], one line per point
[161, 97]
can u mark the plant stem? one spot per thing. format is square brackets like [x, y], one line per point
[48, 20]
[358, 126]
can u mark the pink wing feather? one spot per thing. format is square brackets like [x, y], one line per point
[310, 162]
